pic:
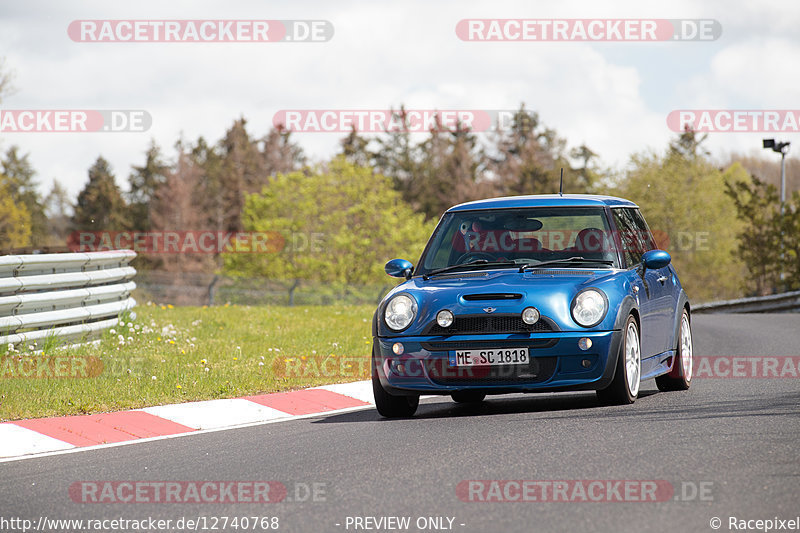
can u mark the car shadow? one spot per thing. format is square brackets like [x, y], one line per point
[494, 405]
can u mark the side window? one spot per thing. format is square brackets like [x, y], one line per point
[645, 236]
[634, 237]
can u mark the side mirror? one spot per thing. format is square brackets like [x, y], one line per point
[655, 259]
[400, 268]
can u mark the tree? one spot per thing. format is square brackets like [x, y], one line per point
[683, 199]
[339, 223]
[100, 205]
[280, 153]
[243, 171]
[6, 79]
[443, 169]
[355, 149]
[790, 234]
[208, 158]
[15, 222]
[143, 182]
[57, 207]
[17, 175]
[765, 235]
[527, 158]
[689, 144]
[397, 158]
[767, 166]
[450, 171]
[175, 208]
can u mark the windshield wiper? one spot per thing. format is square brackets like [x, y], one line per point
[471, 264]
[567, 261]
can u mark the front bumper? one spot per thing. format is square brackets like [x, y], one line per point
[556, 363]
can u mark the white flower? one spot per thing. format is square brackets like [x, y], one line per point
[112, 331]
[260, 363]
[154, 378]
[206, 369]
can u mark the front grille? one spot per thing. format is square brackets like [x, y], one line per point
[538, 370]
[479, 324]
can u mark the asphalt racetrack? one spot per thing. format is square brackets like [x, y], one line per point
[728, 447]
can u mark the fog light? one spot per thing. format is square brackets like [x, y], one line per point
[585, 344]
[586, 363]
[444, 318]
[400, 370]
[530, 315]
[397, 348]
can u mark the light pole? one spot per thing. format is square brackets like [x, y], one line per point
[783, 149]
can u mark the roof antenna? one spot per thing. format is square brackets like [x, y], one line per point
[561, 184]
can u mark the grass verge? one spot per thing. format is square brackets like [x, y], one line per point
[179, 354]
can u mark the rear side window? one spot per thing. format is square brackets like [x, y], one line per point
[634, 235]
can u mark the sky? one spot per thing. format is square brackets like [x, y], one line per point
[613, 97]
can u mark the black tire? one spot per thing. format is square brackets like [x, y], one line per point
[466, 396]
[680, 377]
[619, 391]
[389, 405]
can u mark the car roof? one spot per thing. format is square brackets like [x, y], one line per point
[544, 200]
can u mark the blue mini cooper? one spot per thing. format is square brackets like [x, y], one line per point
[532, 294]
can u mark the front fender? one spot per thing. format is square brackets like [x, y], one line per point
[625, 309]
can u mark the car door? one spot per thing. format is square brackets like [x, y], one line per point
[633, 245]
[661, 284]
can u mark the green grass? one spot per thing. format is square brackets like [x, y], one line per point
[179, 354]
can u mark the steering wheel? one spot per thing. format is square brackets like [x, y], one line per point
[473, 256]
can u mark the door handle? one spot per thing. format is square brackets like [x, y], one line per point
[662, 279]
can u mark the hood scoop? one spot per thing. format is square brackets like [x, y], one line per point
[492, 296]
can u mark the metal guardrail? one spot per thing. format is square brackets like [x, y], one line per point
[69, 295]
[774, 303]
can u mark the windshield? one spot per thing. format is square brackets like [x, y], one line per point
[524, 236]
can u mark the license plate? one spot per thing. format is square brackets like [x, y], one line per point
[489, 357]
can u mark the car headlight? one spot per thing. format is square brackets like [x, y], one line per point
[589, 307]
[400, 312]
